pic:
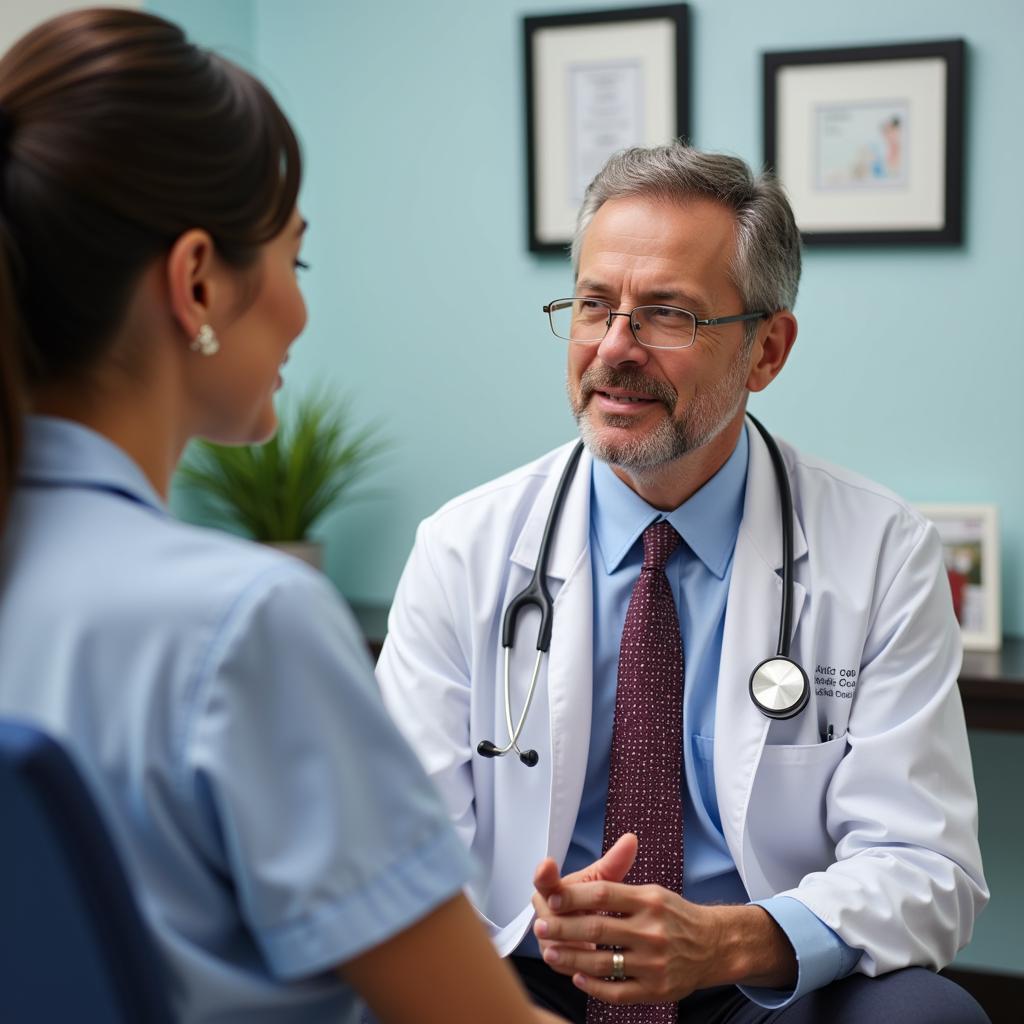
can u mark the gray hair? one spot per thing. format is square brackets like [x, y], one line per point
[766, 265]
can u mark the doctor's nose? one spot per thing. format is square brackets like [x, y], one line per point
[619, 346]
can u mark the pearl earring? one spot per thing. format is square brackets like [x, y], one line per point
[205, 342]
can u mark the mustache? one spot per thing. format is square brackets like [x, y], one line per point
[600, 378]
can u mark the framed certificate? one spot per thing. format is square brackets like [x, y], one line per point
[596, 83]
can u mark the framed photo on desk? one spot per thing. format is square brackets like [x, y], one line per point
[970, 545]
[596, 82]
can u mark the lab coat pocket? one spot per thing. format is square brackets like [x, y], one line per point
[786, 822]
[828, 753]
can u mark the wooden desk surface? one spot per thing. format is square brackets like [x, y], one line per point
[991, 684]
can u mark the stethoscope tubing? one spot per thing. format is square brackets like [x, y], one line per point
[536, 593]
[786, 503]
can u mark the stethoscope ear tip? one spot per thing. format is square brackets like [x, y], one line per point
[485, 748]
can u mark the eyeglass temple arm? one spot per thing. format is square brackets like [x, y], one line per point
[732, 319]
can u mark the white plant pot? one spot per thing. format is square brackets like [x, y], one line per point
[309, 551]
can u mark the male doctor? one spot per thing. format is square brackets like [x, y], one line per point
[698, 859]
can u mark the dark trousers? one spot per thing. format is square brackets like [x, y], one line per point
[911, 996]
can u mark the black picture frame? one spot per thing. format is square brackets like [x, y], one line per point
[547, 233]
[932, 172]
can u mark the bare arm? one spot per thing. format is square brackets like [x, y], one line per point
[442, 970]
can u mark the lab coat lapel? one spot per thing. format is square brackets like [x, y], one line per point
[750, 636]
[570, 663]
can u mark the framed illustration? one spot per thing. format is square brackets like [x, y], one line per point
[596, 83]
[869, 141]
[970, 543]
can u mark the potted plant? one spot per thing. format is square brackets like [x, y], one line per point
[275, 492]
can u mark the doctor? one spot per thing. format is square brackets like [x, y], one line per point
[694, 850]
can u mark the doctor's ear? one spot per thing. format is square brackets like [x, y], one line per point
[771, 348]
[194, 280]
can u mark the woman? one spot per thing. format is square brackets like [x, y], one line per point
[285, 847]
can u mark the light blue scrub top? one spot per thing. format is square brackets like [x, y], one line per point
[221, 702]
[699, 572]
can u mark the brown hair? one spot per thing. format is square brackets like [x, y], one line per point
[116, 136]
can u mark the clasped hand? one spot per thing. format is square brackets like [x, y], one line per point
[670, 946]
[663, 938]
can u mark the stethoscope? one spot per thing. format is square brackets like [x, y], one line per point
[779, 686]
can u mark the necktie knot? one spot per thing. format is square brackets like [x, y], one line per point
[660, 540]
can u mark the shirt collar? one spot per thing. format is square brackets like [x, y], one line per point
[59, 452]
[708, 520]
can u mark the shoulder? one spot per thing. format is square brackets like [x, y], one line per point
[257, 607]
[211, 597]
[211, 575]
[232, 608]
[135, 575]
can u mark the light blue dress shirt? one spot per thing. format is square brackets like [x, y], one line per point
[221, 702]
[699, 573]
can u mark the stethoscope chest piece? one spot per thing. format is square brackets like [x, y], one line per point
[779, 687]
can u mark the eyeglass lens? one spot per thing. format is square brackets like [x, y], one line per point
[586, 321]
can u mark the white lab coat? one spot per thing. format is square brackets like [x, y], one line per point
[874, 831]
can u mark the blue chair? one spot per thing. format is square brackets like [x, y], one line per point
[72, 943]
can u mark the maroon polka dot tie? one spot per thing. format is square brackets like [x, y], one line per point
[645, 775]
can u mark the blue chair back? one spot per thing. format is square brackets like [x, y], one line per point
[72, 943]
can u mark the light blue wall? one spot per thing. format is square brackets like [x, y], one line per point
[227, 26]
[910, 363]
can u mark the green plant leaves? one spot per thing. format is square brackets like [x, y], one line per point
[278, 490]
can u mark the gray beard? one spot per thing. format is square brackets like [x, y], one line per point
[707, 415]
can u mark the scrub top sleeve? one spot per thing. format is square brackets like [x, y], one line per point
[333, 837]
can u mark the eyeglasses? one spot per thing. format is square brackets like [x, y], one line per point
[587, 321]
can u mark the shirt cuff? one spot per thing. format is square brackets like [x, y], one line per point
[821, 956]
